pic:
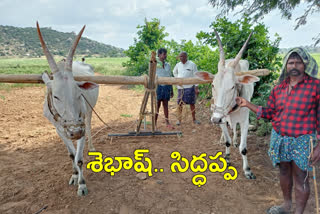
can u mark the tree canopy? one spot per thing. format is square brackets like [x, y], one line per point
[150, 36]
[257, 9]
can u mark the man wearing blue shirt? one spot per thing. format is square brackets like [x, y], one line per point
[164, 92]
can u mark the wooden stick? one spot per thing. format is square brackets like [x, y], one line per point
[256, 72]
[314, 180]
[152, 86]
[149, 91]
[142, 110]
[122, 80]
[43, 208]
[153, 99]
[36, 78]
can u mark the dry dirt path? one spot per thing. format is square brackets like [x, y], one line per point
[35, 167]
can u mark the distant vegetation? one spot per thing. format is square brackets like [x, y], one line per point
[24, 42]
[105, 66]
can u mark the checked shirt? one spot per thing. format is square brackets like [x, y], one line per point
[297, 113]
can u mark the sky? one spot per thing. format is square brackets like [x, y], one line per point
[115, 22]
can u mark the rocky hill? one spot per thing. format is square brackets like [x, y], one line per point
[24, 42]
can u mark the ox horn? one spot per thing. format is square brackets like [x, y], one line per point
[69, 59]
[52, 64]
[222, 57]
[239, 55]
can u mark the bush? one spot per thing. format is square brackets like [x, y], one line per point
[150, 38]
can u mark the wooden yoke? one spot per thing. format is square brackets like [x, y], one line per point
[124, 80]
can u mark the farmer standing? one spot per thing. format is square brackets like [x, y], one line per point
[294, 110]
[164, 92]
[186, 93]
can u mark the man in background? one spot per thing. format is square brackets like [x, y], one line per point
[187, 94]
[164, 92]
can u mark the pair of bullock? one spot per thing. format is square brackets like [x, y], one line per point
[68, 104]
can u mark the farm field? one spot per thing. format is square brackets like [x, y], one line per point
[103, 66]
[35, 167]
[106, 66]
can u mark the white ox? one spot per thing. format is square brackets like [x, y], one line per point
[226, 86]
[67, 107]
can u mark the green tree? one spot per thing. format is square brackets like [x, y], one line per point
[150, 38]
[257, 9]
[201, 54]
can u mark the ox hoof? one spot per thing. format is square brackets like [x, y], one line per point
[73, 180]
[92, 149]
[82, 190]
[227, 158]
[250, 175]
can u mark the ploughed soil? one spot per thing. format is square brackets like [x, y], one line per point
[35, 167]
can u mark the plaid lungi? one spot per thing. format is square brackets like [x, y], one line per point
[287, 149]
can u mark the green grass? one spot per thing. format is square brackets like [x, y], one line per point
[317, 57]
[9, 86]
[23, 66]
[105, 66]
[125, 115]
[108, 66]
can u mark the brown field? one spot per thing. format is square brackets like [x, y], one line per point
[35, 167]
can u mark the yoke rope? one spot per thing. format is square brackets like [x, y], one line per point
[105, 124]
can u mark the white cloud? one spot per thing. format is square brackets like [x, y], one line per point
[114, 21]
[184, 10]
[204, 11]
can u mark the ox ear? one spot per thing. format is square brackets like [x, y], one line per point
[87, 85]
[247, 79]
[204, 75]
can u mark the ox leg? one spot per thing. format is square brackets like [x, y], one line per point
[222, 139]
[227, 142]
[88, 131]
[235, 135]
[72, 153]
[82, 187]
[243, 150]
